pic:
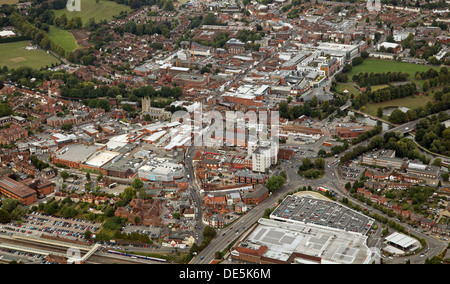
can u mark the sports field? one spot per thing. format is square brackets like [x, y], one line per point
[64, 38]
[103, 10]
[14, 55]
[379, 66]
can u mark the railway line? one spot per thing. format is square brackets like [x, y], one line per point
[33, 246]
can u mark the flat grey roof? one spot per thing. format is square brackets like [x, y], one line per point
[282, 239]
[76, 152]
[310, 210]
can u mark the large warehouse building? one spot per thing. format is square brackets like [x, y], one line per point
[161, 170]
[307, 230]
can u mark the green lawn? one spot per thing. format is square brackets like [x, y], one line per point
[379, 66]
[14, 55]
[104, 10]
[340, 87]
[8, 2]
[63, 38]
[378, 87]
[411, 102]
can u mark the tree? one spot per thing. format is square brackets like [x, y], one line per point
[320, 163]
[67, 127]
[275, 182]
[306, 164]
[357, 61]
[314, 101]
[128, 194]
[168, 6]
[4, 216]
[209, 233]
[5, 109]
[390, 38]
[64, 175]
[348, 185]
[283, 108]
[397, 116]
[433, 60]
[380, 112]
[437, 162]
[426, 85]
[325, 106]
[210, 19]
[10, 204]
[17, 213]
[137, 183]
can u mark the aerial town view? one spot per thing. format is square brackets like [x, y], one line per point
[228, 132]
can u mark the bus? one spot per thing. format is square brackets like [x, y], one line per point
[323, 189]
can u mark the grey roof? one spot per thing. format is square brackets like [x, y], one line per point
[259, 190]
[76, 152]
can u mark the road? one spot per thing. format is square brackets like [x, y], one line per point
[195, 193]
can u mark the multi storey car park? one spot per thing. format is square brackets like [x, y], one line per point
[322, 212]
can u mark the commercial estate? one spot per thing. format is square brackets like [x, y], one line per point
[309, 231]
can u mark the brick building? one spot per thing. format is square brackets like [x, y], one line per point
[42, 186]
[258, 195]
[352, 132]
[192, 80]
[12, 134]
[59, 121]
[148, 211]
[119, 114]
[235, 46]
[17, 190]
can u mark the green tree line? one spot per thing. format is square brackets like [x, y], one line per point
[38, 36]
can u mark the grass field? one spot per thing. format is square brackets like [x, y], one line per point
[340, 87]
[378, 87]
[409, 102]
[8, 2]
[379, 66]
[104, 10]
[63, 37]
[14, 55]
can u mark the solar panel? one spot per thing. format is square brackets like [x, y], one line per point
[260, 233]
